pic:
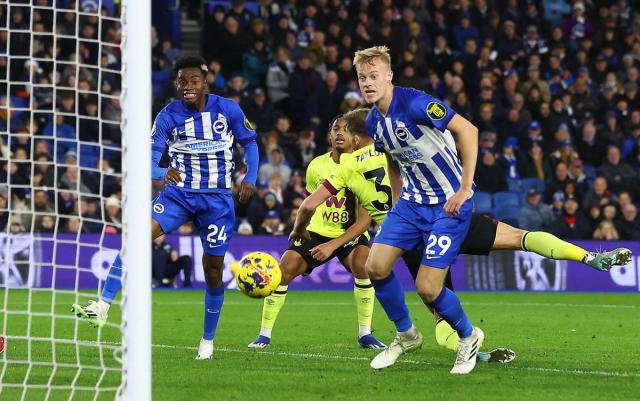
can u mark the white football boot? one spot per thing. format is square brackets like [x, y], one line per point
[95, 312]
[467, 351]
[404, 342]
[205, 349]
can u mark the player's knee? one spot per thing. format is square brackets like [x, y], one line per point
[292, 265]
[427, 290]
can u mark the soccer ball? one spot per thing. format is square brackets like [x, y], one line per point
[259, 275]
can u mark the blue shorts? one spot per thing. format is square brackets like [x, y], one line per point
[409, 226]
[213, 214]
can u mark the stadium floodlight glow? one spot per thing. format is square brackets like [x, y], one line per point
[75, 118]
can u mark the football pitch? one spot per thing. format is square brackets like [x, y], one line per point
[569, 347]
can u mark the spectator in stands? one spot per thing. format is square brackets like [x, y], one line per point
[304, 85]
[331, 95]
[589, 147]
[244, 228]
[535, 215]
[112, 211]
[4, 208]
[557, 203]
[489, 176]
[275, 165]
[559, 182]
[629, 224]
[255, 63]
[618, 173]
[278, 78]
[167, 264]
[571, 224]
[41, 205]
[272, 225]
[606, 231]
[260, 111]
[232, 44]
[577, 174]
[598, 196]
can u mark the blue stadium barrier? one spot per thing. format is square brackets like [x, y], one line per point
[482, 202]
[248, 5]
[506, 198]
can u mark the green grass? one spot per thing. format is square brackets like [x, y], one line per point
[569, 347]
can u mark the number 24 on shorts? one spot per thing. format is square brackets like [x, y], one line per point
[443, 242]
[217, 236]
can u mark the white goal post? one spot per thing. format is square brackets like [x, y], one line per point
[75, 190]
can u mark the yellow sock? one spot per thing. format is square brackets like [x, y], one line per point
[446, 336]
[364, 294]
[271, 308]
[552, 247]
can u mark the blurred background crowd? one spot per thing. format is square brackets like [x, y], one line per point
[552, 86]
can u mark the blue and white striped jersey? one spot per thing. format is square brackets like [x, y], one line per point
[201, 143]
[414, 132]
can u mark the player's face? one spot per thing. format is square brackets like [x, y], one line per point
[191, 85]
[341, 139]
[374, 79]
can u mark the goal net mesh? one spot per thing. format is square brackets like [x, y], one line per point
[60, 196]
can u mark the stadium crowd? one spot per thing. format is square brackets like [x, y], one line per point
[552, 86]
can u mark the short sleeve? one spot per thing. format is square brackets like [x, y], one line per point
[311, 177]
[428, 110]
[242, 129]
[160, 132]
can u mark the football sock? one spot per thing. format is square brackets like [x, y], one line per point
[448, 306]
[552, 247]
[271, 308]
[364, 293]
[446, 336]
[390, 294]
[113, 283]
[213, 299]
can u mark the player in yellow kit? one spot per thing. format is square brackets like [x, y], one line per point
[337, 228]
[366, 173]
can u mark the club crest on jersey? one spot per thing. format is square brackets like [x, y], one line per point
[402, 133]
[220, 125]
[158, 208]
[436, 111]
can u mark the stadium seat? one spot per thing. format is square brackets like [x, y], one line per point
[482, 202]
[507, 213]
[506, 198]
[514, 184]
[529, 183]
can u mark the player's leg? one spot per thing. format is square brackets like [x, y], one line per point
[398, 233]
[354, 258]
[214, 216]
[168, 213]
[292, 265]
[548, 245]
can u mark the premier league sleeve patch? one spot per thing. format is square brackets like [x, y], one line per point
[248, 125]
[436, 111]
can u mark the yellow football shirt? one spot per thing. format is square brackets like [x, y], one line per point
[364, 172]
[334, 216]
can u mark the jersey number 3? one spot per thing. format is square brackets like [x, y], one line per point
[378, 175]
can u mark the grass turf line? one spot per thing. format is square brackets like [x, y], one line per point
[568, 348]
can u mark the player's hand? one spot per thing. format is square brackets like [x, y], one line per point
[246, 191]
[299, 236]
[173, 176]
[322, 252]
[453, 205]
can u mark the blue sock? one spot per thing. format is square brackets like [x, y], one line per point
[390, 294]
[113, 284]
[213, 299]
[447, 304]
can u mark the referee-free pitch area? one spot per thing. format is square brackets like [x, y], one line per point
[569, 347]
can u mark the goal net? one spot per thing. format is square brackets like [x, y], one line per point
[65, 170]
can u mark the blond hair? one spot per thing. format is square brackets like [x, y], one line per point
[371, 54]
[355, 120]
[600, 234]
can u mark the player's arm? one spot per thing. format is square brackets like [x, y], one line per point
[244, 132]
[159, 135]
[394, 178]
[323, 251]
[468, 143]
